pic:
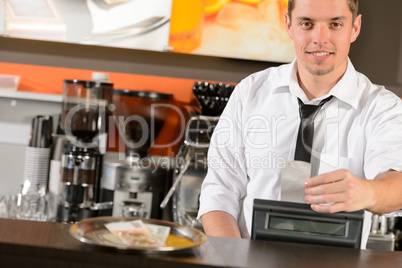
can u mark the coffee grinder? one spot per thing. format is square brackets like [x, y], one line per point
[84, 117]
[137, 184]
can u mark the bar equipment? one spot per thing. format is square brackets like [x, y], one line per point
[85, 110]
[191, 161]
[382, 236]
[212, 97]
[137, 184]
[191, 168]
[294, 222]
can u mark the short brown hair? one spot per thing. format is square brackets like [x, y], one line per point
[353, 7]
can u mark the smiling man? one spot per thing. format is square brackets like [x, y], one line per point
[322, 42]
[354, 157]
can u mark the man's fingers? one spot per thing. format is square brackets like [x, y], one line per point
[330, 208]
[326, 198]
[326, 178]
[329, 188]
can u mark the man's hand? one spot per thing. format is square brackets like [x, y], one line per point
[338, 191]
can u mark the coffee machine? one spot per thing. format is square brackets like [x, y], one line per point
[84, 118]
[191, 168]
[137, 183]
[191, 162]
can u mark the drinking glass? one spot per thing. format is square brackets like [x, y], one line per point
[186, 23]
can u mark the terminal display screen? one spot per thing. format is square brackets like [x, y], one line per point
[309, 226]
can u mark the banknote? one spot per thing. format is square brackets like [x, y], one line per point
[138, 233]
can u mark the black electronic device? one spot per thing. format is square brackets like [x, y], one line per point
[298, 223]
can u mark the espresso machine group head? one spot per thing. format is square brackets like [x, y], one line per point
[137, 184]
[84, 118]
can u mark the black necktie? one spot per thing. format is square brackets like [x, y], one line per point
[306, 129]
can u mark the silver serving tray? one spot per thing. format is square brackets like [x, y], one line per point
[93, 231]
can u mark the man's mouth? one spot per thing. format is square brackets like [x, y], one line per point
[320, 53]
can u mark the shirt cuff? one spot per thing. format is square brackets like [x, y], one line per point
[215, 199]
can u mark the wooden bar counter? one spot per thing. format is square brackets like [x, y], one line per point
[49, 244]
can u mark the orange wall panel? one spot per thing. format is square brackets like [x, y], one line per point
[49, 80]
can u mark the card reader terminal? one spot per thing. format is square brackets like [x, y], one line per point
[297, 222]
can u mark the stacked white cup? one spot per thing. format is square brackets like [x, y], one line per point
[32, 197]
[36, 170]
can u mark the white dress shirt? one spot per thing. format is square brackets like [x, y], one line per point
[360, 130]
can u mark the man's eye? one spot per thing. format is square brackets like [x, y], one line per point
[336, 24]
[306, 24]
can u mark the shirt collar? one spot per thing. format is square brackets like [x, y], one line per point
[345, 90]
[282, 82]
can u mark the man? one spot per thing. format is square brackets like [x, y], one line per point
[357, 149]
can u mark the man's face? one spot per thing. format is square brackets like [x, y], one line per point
[322, 31]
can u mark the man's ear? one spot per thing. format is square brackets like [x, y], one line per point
[288, 25]
[357, 24]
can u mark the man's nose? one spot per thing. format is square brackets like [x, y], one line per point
[320, 34]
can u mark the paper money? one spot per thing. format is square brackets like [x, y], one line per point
[137, 233]
[159, 231]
